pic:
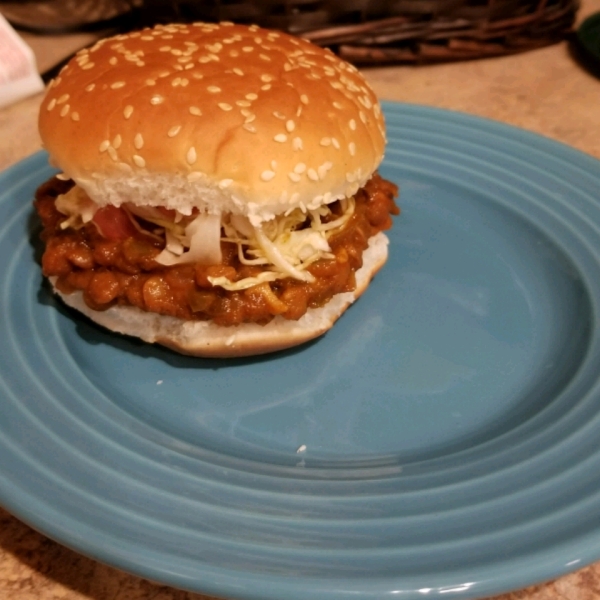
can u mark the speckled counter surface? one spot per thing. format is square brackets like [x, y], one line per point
[544, 91]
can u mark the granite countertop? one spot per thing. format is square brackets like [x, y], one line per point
[544, 91]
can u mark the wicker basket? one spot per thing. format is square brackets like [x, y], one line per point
[396, 31]
[361, 31]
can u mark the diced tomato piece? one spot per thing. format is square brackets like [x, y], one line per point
[114, 223]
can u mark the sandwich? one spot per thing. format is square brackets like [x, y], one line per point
[217, 189]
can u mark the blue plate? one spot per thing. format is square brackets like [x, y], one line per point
[442, 439]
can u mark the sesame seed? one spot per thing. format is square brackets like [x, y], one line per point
[266, 78]
[51, 104]
[325, 141]
[112, 153]
[280, 137]
[64, 111]
[352, 148]
[290, 126]
[322, 170]
[366, 101]
[337, 105]
[264, 57]
[278, 115]
[213, 89]
[297, 143]
[266, 87]
[194, 176]
[63, 99]
[88, 66]
[304, 99]
[128, 111]
[176, 52]
[248, 48]
[224, 183]
[104, 146]
[300, 168]
[335, 143]
[156, 100]
[250, 118]
[294, 177]
[191, 155]
[117, 84]
[238, 72]
[139, 161]
[363, 117]
[249, 127]
[313, 175]
[138, 141]
[164, 74]
[117, 142]
[150, 82]
[267, 175]
[224, 106]
[194, 110]
[75, 116]
[274, 165]
[352, 124]
[113, 60]
[174, 130]
[243, 103]
[251, 96]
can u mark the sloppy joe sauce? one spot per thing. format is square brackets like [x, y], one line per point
[124, 272]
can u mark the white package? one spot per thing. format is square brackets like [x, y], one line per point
[18, 72]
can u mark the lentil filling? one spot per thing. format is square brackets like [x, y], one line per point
[123, 271]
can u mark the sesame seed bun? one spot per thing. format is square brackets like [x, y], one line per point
[205, 339]
[219, 117]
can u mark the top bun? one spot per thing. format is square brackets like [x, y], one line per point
[219, 117]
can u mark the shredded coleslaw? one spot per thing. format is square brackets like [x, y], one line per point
[284, 246]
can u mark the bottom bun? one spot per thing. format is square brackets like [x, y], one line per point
[206, 339]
